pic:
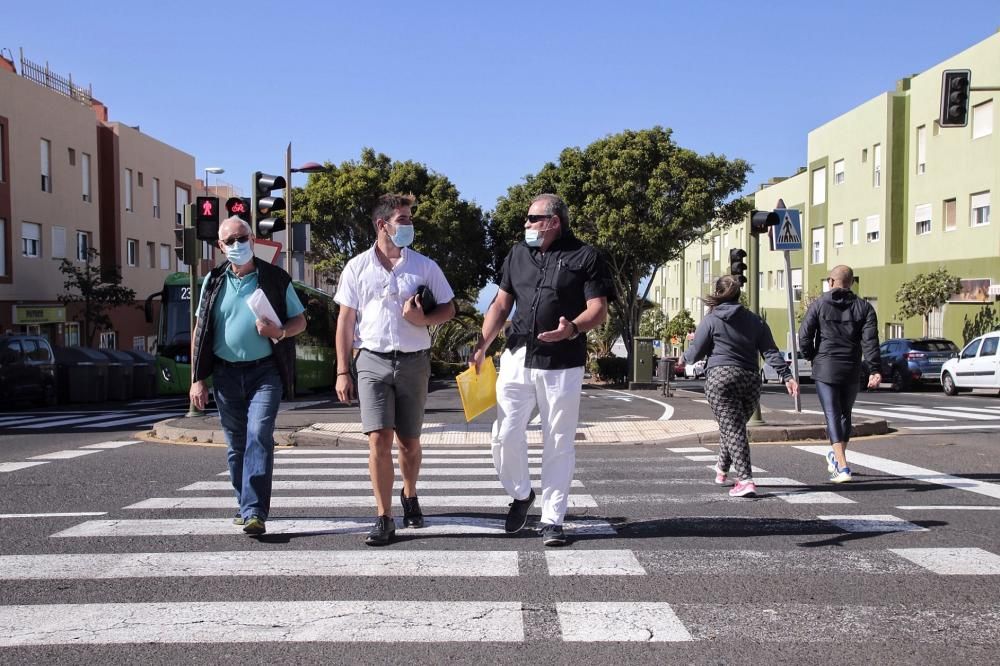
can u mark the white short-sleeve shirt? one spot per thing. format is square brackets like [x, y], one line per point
[378, 296]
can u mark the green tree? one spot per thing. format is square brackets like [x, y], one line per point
[98, 288]
[984, 321]
[927, 291]
[448, 229]
[636, 196]
[680, 325]
[653, 323]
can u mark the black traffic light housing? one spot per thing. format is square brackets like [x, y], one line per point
[185, 244]
[761, 220]
[264, 205]
[736, 265]
[240, 207]
[206, 218]
[955, 86]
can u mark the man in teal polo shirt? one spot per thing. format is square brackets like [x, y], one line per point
[250, 359]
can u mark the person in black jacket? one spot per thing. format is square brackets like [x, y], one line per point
[731, 337]
[837, 328]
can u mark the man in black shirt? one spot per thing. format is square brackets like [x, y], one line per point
[561, 288]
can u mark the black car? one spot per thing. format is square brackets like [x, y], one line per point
[27, 370]
[910, 362]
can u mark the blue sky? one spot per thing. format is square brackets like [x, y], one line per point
[486, 93]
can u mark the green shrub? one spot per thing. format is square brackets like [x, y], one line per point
[610, 369]
[446, 370]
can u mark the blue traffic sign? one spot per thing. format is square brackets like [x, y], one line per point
[787, 235]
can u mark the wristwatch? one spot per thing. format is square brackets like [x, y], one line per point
[576, 331]
[284, 332]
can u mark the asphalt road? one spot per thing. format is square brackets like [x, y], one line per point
[900, 566]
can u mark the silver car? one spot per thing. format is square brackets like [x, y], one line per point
[769, 374]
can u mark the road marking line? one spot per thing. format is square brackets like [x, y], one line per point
[776, 481]
[352, 501]
[64, 455]
[37, 424]
[873, 523]
[668, 411]
[145, 418]
[363, 471]
[620, 621]
[703, 458]
[953, 561]
[364, 461]
[709, 562]
[14, 466]
[811, 497]
[51, 515]
[753, 468]
[435, 526]
[273, 622]
[947, 507]
[593, 563]
[895, 415]
[955, 427]
[111, 445]
[976, 410]
[358, 485]
[937, 411]
[690, 449]
[913, 472]
[254, 563]
[426, 452]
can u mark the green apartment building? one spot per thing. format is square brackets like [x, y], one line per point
[886, 191]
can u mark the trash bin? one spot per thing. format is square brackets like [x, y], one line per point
[665, 369]
[82, 374]
[143, 374]
[119, 374]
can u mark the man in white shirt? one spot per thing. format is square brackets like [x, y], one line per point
[378, 298]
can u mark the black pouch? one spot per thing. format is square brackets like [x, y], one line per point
[427, 299]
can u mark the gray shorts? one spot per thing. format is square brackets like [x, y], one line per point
[393, 391]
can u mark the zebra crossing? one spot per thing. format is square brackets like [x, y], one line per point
[609, 586]
[139, 414]
[928, 418]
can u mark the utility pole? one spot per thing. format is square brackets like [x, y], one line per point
[288, 210]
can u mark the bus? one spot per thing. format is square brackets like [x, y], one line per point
[315, 355]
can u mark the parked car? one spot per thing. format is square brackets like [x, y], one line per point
[909, 362]
[769, 374]
[27, 369]
[977, 366]
[695, 370]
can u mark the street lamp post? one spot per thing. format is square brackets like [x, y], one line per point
[208, 170]
[308, 167]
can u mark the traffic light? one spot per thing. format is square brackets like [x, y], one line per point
[264, 205]
[760, 220]
[240, 207]
[955, 85]
[206, 218]
[736, 265]
[185, 244]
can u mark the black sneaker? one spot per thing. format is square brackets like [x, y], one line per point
[254, 525]
[517, 517]
[382, 532]
[412, 515]
[552, 535]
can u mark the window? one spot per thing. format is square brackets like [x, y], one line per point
[982, 120]
[922, 149]
[819, 186]
[140, 178]
[950, 219]
[58, 249]
[139, 343]
[770, 279]
[131, 251]
[922, 218]
[82, 246]
[716, 244]
[854, 231]
[156, 198]
[725, 242]
[151, 254]
[873, 224]
[864, 155]
[796, 284]
[71, 334]
[817, 245]
[989, 347]
[893, 330]
[3, 165]
[109, 340]
[838, 235]
[85, 174]
[180, 200]
[128, 189]
[706, 272]
[3, 243]
[838, 172]
[164, 256]
[72, 157]
[760, 280]
[46, 160]
[980, 205]
[780, 280]
[31, 239]
[877, 165]
[935, 323]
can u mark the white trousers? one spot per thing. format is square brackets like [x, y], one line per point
[557, 395]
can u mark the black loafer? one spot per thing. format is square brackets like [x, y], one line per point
[382, 533]
[412, 515]
[553, 535]
[517, 517]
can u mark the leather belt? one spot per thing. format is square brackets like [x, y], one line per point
[395, 353]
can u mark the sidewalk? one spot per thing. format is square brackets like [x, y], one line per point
[320, 422]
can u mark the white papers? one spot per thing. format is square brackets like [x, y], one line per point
[262, 309]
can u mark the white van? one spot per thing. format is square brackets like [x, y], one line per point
[977, 366]
[768, 374]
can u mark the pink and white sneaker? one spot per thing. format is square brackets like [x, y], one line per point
[721, 478]
[743, 488]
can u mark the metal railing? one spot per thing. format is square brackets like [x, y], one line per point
[43, 76]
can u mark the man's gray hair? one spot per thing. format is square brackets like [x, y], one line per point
[555, 206]
[243, 223]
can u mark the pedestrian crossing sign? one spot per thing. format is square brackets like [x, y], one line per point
[787, 235]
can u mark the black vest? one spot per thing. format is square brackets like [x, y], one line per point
[274, 282]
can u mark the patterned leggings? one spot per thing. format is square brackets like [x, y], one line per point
[733, 394]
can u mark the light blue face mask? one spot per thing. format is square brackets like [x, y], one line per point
[403, 236]
[239, 253]
[534, 237]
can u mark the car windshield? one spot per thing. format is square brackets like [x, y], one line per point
[934, 346]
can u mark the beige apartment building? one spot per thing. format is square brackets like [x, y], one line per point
[70, 181]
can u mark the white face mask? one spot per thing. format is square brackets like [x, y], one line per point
[534, 237]
[239, 253]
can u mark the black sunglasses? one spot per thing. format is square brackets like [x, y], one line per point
[236, 239]
[535, 219]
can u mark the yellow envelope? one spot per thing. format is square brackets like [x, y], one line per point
[478, 392]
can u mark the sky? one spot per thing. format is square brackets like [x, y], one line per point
[486, 93]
